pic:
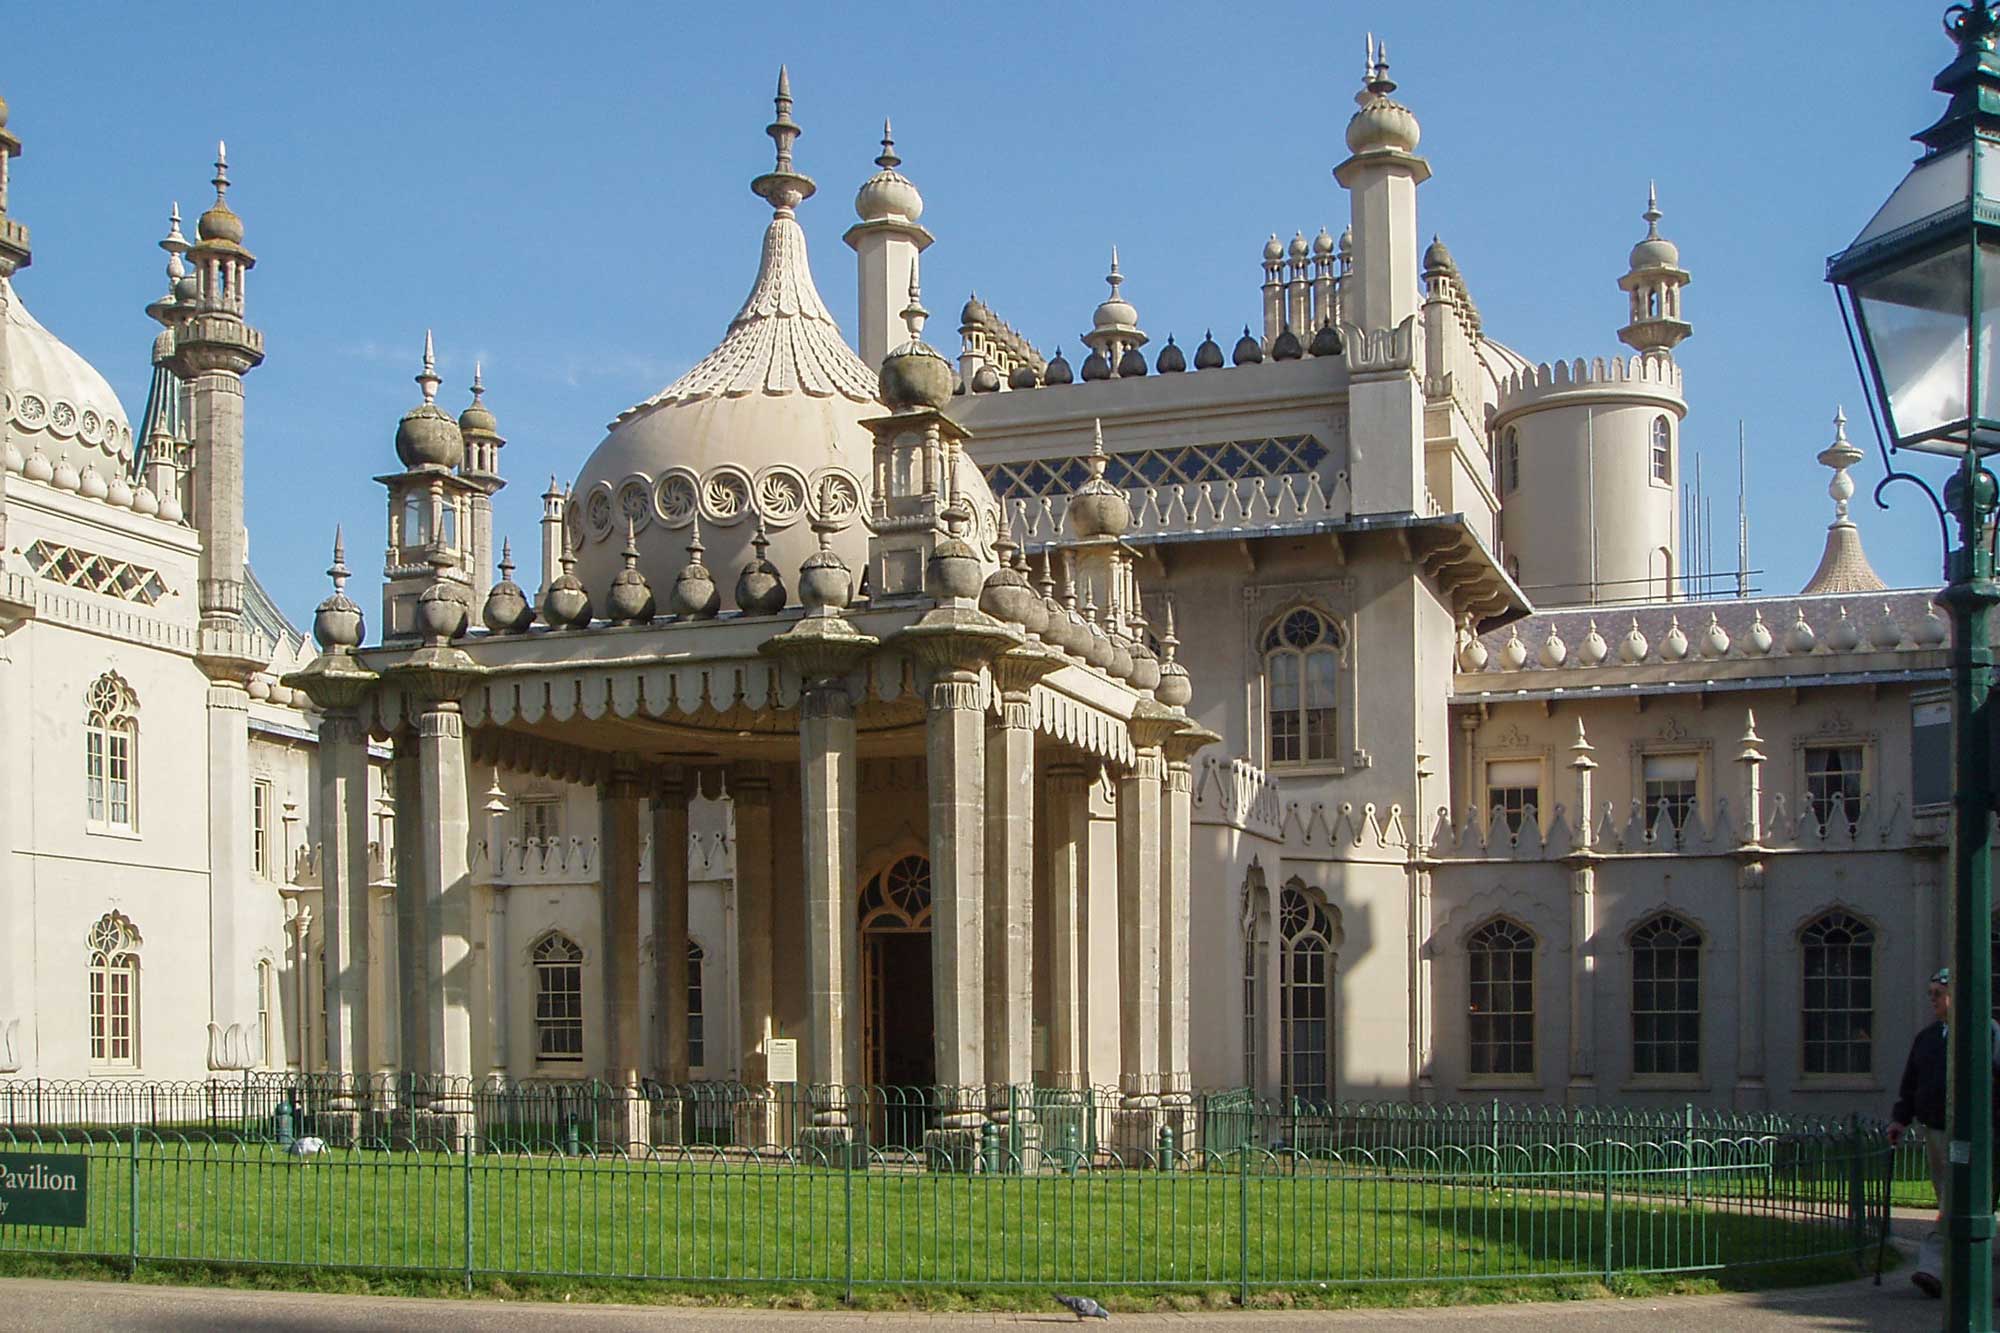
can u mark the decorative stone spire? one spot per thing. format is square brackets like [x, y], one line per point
[915, 376]
[337, 623]
[1098, 509]
[695, 594]
[507, 610]
[631, 599]
[1114, 327]
[1843, 565]
[1583, 763]
[565, 605]
[781, 187]
[760, 590]
[1175, 688]
[427, 436]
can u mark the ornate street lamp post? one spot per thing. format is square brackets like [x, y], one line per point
[1919, 292]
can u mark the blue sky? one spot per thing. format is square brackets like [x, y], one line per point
[562, 193]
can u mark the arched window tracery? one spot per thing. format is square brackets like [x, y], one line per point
[110, 754]
[1307, 937]
[558, 998]
[1302, 661]
[114, 991]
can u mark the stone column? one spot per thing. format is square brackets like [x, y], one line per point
[229, 873]
[1068, 817]
[1177, 910]
[16, 949]
[828, 792]
[1752, 1092]
[954, 643]
[670, 926]
[750, 786]
[1583, 934]
[499, 972]
[1010, 894]
[344, 900]
[412, 930]
[621, 800]
[1139, 869]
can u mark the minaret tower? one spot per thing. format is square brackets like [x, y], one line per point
[886, 243]
[213, 347]
[14, 256]
[483, 443]
[430, 506]
[1654, 281]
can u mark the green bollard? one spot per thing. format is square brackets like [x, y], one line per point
[1071, 1157]
[989, 1148]
[284, 1123]
[1166, 1147]
[571, 1146]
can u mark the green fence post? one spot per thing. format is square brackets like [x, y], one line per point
[466, 1144]
[1607, 1219]
[1243, 1226]
[132, 1206]
[1857, 1190]
[847, 1181]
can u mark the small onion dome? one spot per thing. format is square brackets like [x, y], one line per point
[888, 193]
[915, 376]
[1098, 509]
[1132, 364]
[566, 605]
[1057, 371]
[1121, 646]
[441, 609]
[1095, 367]
[1008, 595]
[630, 601]
[759, 589]
[1173, 361]
[337, 622]
[477, 420]
[1145, 662]
[1097, 651]
[1175, 688]
[1655, 251]
[1208, 356]
[1247, 352]
[1327, 341]
[507, 610]
[957, 385]
[1323, 243]
[1437, 259]
[986, 379]
[1022, 377]
[1382, 123]
[427, 436]
[954, 565]
[1299, 246]
[1274, 249]
[220, 223]
[973, 311]
[1114, 312]
[695, 593]
[1286, 346]
[825, 581]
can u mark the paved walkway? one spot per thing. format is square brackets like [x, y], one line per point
[1895, 1307]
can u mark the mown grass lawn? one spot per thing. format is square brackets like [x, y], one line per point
[689, 1223]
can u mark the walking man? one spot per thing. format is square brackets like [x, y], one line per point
[1921, 1100]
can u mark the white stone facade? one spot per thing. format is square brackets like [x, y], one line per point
[1470, 795]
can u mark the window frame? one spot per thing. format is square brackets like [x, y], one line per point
[1694, 940]
[1660, 452]
[263, 794]
[548, 1023]
[1308, 932]
[1694, 799]
[696, 1036]
[1312, 724]
[1253, 1008]
[1865, 1077]
[1510, 461]
[113, 975]
[1926, 701]
[111, 748]
[1515, 819]
[1512, 1077]
[1864, 776]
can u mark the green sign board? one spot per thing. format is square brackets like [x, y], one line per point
[39, 1189]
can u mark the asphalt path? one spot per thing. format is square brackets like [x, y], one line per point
[57, 1304]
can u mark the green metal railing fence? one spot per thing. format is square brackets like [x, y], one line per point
[1229, 1192]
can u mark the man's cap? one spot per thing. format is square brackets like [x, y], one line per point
[1941, 977]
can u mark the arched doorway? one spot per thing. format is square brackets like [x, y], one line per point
[898, 1026]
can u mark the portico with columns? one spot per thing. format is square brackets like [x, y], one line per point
[907, 726]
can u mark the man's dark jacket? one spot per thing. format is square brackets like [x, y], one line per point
[1921, 1098]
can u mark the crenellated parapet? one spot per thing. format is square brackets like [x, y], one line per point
[1653, 376]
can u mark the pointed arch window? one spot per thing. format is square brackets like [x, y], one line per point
[1666, 996]
[111, 755]
[1838, 1004]
[1302, 657]
[1510, 462]
[1500, 959]
[114, 992]
[558, 998]
[1306, 933]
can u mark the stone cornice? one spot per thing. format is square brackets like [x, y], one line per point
[958, 639]
[1017, 671]
[821, 647]
[1190, 739]
[437, 675]
[1152, 724]
[333, 680]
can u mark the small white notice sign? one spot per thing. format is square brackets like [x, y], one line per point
[781, 1059]
[1960, 1152]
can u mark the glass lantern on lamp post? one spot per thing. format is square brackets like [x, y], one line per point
[1919, 292]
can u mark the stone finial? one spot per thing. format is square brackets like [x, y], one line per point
[1007, 595]
[695, 595]
[826, 584]
[441, 611]
[337, 623]
[1632, 649]
[1593, 649]
[631, 598]
[1176, 688]
[1098, 508]
[566, 605]
[1472, 654]
[760, 589]
[507, 610]
[782, 187]
[1843, 565]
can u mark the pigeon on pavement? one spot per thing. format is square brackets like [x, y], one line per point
[1084, 1307]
